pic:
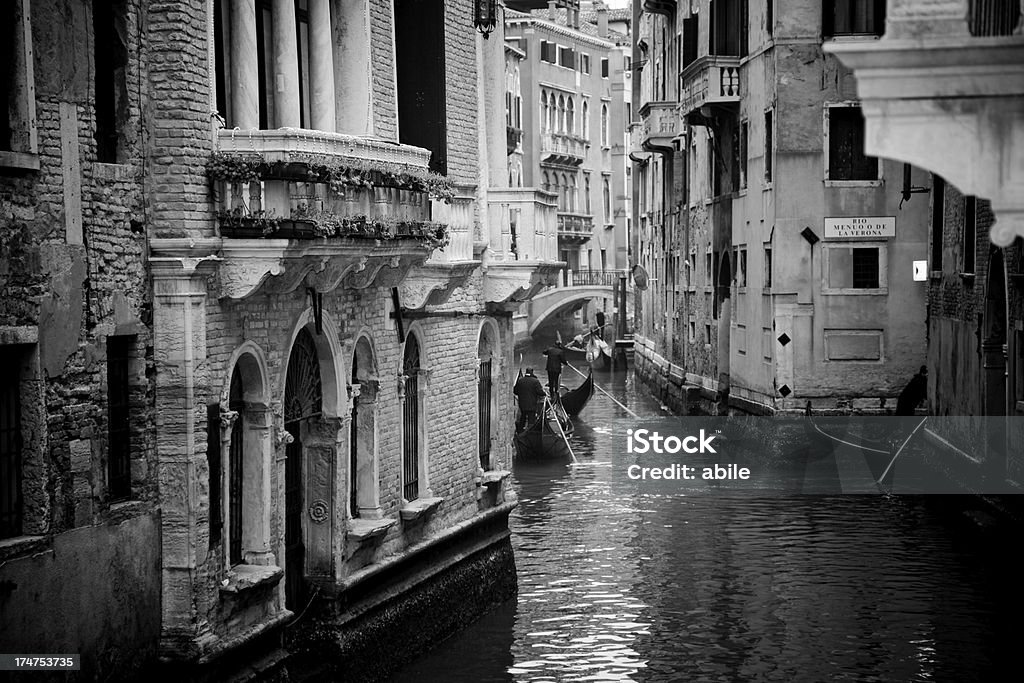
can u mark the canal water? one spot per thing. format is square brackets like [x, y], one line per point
[625, 584]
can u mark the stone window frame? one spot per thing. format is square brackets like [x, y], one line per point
[423, 457]
[35, 466]
[883, 268]
[24, 154]
[363, 390]
[257, 432]
[879, 179]
[493, 344]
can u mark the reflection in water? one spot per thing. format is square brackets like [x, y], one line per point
[626, 584]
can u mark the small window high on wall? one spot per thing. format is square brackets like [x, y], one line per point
[110, 98]
[420, 69]
[852, 18]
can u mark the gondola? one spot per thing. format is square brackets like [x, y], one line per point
[543, 440]
[574, 400]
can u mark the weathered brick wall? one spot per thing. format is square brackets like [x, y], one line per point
[179, 132]
[448, 347]
[76, 286]
[461, 78]
[382, 57]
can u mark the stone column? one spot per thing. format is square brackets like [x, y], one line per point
[352, 45]
[286, 65]
[321, 67]
[245, 97]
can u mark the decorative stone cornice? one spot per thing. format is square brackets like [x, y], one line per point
[433, 283]
[507, 284]
[281, 266]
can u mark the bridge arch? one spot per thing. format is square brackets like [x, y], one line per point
[548, 304]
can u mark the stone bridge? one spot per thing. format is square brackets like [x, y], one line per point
[573, 289]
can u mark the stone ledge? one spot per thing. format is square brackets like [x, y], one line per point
[420, 509]
[363, 531]
[16, 546]
[246, 577]
[19, 161]
[492, 479]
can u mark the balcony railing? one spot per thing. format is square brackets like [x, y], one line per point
[710, 80]
[660, 124]
[574, 227]
[596, 278]
[563, 149]
[526, 219]
[291, 183]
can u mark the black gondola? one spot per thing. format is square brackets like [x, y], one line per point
[543, 439]
[574, 400]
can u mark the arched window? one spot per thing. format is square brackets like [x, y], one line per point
[565, 193]
[410, 399]
[570, 116]
[547, 182]
[556, 190]
[586, 120]
[364, 496]
[508, 108]
[574, 199]
[561, 114]
[544, 115]
[604, 125]
[586, 193]
[607, 191]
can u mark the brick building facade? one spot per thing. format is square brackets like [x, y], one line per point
[258, 310]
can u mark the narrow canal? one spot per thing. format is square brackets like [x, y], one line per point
[628, 585]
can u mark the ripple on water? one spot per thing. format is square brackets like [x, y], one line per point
[622, 585]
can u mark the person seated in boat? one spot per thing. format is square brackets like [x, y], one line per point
[556, 359]
[915, 392]
[530, 394]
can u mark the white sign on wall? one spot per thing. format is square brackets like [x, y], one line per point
[920, 271]
[860, 226]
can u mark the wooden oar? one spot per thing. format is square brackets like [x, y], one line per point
[900, 450]
[558, 422]
[596, 386]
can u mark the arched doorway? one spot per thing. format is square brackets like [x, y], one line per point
[303, 401]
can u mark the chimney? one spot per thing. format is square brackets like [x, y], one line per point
[602, 20]
[552, 11]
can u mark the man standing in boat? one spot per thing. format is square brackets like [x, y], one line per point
[556, 359]
[529, 392]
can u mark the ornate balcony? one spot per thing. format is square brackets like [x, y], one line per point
[558, 148]
[575, 228]
[659, 126]
[522, 257]
[950, 71]
[710, 81]
[323, 210]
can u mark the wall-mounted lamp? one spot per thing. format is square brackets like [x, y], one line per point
[485, 15]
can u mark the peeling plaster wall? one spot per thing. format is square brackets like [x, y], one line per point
[72, 272]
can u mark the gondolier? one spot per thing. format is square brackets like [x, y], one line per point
[556, 359]
[530, 393]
